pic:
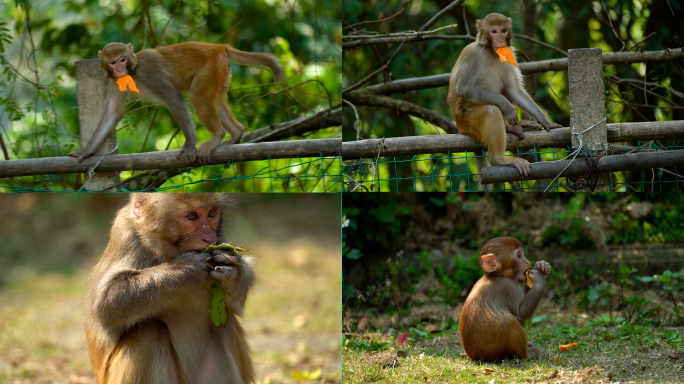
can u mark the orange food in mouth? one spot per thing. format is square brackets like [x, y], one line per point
[529, 282]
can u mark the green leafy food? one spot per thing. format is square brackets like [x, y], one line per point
[225, 246]
[218, 304]
[218, 297]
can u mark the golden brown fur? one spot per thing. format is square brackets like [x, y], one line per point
[482, 90]
[491, 323]
[161, 74]
[147, 307]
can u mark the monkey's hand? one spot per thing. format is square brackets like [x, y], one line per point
[537, 277]
[543, 266]
[81, 154]
[515, 129]
[224, 266]
[235, 276]
[549, 125]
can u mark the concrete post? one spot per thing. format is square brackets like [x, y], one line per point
[588, 102]
[91, 86]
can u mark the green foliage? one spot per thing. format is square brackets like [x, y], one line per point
[368, 346]
[371, 223]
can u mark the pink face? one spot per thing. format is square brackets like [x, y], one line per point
[498, 36]
[118, 66]
[198, 228]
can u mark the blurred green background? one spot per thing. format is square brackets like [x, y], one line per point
[49, 243]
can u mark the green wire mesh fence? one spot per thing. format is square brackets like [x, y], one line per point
[322, 174]
[458, 172]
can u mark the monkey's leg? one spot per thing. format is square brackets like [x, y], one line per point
[143, 355]
[230, 124]
[493, 132]
[206, 98]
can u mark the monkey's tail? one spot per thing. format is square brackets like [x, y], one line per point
[258, 59]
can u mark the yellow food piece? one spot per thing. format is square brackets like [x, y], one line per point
[529, 282]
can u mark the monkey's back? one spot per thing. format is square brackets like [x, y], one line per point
[189, 59]
[489, 328]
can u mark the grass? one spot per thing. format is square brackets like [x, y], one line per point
[644, 358]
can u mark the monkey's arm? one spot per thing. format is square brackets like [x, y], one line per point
[236, 277]
[518, 95]
[531, 299]
[114, 103]
[125, 296]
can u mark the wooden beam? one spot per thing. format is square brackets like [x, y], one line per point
[167, 159]
[556, 138]
[577, 167]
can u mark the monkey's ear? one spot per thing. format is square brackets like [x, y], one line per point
[131, 47]
[139, 202]
[490, 262]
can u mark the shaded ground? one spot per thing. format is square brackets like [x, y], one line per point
[48, 244]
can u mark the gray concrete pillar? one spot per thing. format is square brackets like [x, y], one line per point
[91, 86]
[588, 102]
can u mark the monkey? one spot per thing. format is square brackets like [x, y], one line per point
[162, 73]
[148, 301]
[491, 323]
[482, 90]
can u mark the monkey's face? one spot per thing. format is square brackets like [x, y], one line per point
[198, 227]
[117, 66]
[520, 265]
[498, 36]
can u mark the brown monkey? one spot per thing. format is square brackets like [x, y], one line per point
[161, 74]
[148, 305]
[493, 315]
[482, 90]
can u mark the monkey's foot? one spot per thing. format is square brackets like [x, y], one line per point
[80, 154]
[207, 148]
[235, 138]
[522, 165]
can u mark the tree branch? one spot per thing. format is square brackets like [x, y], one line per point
[434, 81]
[372, 99]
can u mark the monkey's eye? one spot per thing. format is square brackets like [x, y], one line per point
[493, 31]
[192, 216]
[122, 59]
[212, 212]
[504, 30]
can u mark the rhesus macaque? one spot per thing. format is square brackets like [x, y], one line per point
[482, 90]
[148, 302]
[161, 74]
[493, 315]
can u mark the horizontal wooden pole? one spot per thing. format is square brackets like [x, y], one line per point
[614, 163]
[167, 159]
[454, 143]
[442, 80]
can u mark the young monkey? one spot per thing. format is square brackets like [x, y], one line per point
[162, 73]
[483, 89]
[491, 323]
